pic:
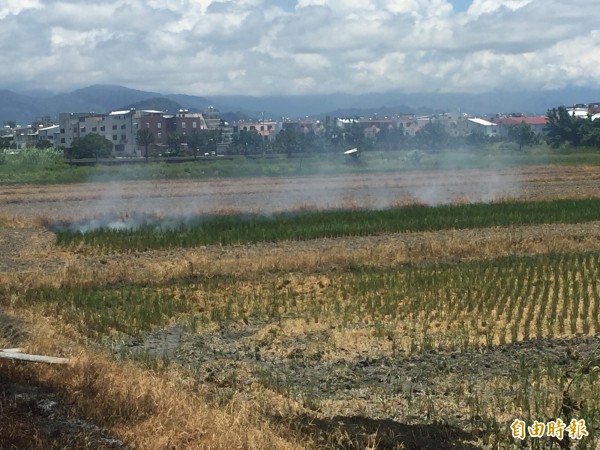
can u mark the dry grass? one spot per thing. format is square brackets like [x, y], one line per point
[320, 255]
[169, 408]
[148, 410]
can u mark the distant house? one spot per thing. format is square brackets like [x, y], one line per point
[477, 125]
[538, 124]
[373, 126]
[578, 110]
[24, 137]
[268, 129]
[594, 108]
[50, 133]
[187, 122]
[304, 125]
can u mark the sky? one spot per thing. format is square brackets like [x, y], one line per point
[298, 47]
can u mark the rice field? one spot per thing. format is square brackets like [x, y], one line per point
[433, 306]
[421, 327]
[133, 233]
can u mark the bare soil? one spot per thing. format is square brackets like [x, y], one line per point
[267, 195]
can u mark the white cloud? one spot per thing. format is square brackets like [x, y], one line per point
[479, 7]
[16, 6]
[209, 47]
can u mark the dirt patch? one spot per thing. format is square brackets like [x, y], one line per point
[28, 248]
[349, 377]
[12, 330]
[354, 402]
[34, 418]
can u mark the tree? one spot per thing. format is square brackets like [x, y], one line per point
[433, 136]
[522, 134]
[44, 143]
[5, 141]
[247, 142]
[561, 127]
[592, 135]
[206, 140]
[288, 141]
[391, 138]
[144, 138]
[566, 129]
[174, 141]
[91, 146]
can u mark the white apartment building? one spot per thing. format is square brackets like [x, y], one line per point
[119, 127]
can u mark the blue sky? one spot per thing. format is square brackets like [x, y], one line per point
[461, 5]
[270, 47]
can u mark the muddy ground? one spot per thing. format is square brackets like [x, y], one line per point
[35, 417]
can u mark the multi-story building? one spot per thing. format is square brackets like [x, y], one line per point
[121, 127]
[49, 133]
[187, 122]
[212, 118]
[159, 124]
[24, 137]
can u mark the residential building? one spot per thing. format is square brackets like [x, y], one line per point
[212, 118]
[119, 127]
[187, 122]
[594, 108]
[159, 123]
[49, 133]
[578, 110]
[24, 137]
[305, 125]
[268, 129]
[538, 124]
[477, 125]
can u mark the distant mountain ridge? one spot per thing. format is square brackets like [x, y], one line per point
[157, 104]
[25, 108]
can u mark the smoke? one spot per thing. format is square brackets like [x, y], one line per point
[467, 187]
[168, 204]
[135, 222]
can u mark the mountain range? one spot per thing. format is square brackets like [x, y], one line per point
[25, 107]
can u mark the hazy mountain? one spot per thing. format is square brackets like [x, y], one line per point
[157, 104]
[98, 98]
[104, 98]
[533, 102]
[18, 107]
[191, 101]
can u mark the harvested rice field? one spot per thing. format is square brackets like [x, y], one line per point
[439, 335]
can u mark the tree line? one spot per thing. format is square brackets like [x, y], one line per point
[566, 129]
[432, 137]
